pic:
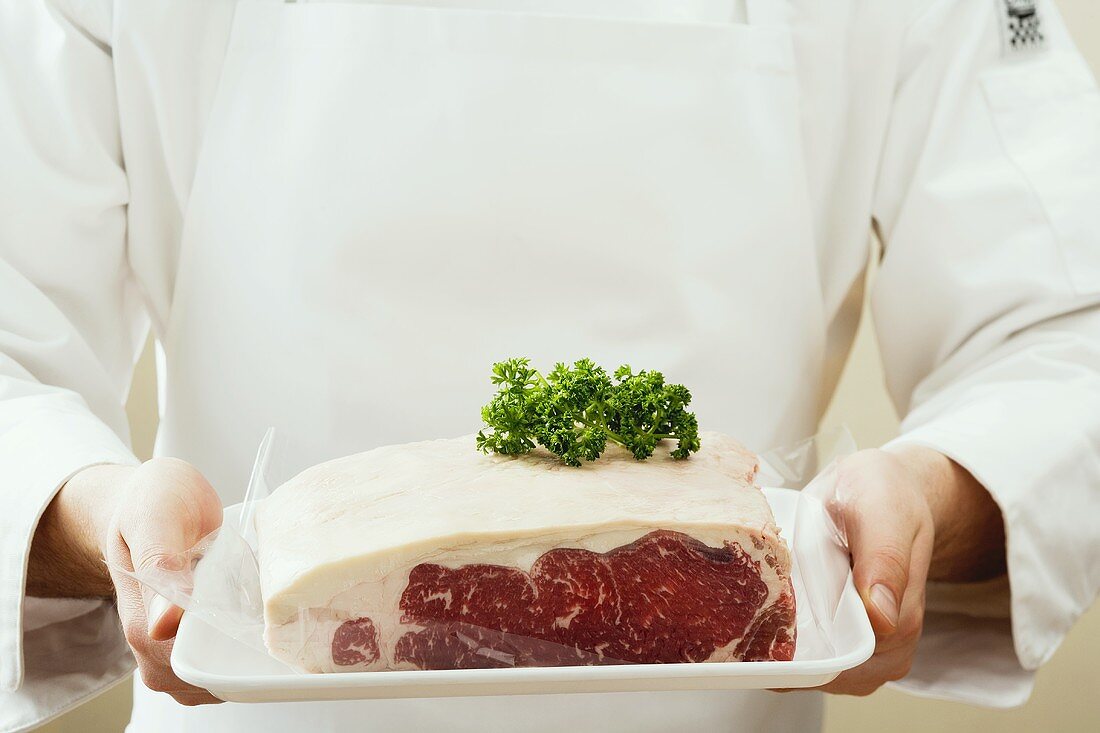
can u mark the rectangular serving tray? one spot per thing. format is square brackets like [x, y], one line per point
[234, 671]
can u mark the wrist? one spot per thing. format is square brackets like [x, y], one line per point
[91, 498]
[67, 551]
[967, 523]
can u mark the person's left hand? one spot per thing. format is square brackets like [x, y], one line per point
[881, 504]
[910, 514]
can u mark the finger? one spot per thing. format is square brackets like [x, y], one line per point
[170, 508]
[153, 656]
[178, 508]
[866, 678]
[200, 698]
[881, 535]
[158, 676]
[164, 618]
[911, 616]
[128, 593]
[857, 687]
[148, 561]
[893, 655]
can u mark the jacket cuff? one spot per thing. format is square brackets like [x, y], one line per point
[38, 455]
[68, 663]
[966, 659]
[1036, 450]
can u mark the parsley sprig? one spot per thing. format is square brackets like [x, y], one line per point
[573, 412]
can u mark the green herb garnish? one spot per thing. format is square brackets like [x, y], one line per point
[574, 411]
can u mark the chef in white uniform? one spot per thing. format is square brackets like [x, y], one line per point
[335, 215]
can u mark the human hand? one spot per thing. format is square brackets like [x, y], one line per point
[144, 517]
[880, 505]
[910, 514]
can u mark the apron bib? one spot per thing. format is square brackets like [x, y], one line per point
[411, 193]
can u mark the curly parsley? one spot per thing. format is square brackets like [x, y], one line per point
[573, 412]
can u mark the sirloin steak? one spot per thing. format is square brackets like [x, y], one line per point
[433, 556]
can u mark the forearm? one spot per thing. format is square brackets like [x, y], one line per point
[969, 540]
[66, 559]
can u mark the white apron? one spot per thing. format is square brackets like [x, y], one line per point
[411, 193]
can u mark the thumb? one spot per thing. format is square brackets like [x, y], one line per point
[881, 540]
[162, 563]
[163, 617]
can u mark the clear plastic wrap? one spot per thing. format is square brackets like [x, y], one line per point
[220, 583]
[819, 549]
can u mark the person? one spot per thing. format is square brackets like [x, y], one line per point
[335, 216]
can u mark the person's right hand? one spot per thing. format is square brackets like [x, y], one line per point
[161, 509]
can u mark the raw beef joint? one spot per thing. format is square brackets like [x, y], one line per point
[434, 556]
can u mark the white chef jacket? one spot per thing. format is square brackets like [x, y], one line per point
[977, 158]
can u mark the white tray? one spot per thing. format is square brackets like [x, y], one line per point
[234, 671]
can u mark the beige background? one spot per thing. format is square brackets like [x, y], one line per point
[1067, 693]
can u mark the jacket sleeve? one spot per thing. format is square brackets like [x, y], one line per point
[71, 324]
[987, 307]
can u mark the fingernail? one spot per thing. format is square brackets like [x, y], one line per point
[885, 602]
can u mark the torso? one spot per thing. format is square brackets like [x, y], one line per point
[359, 207]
